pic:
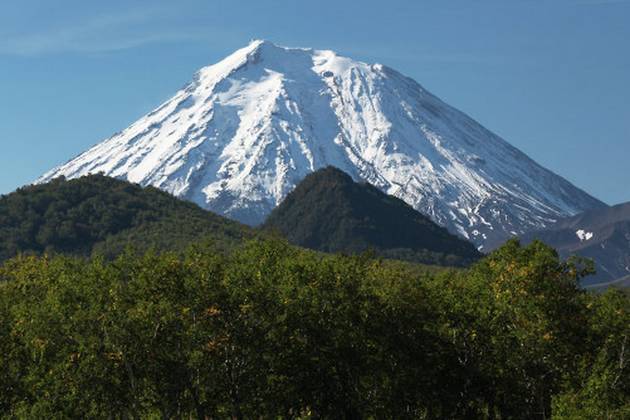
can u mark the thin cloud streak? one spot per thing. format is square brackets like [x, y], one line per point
[102, 34]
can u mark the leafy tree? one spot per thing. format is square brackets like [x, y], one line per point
[517, 320]
[601, 388]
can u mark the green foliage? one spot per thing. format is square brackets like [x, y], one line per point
[601, 387]
[104, 215]
[273, 331]
[329, 212]
[517, 319]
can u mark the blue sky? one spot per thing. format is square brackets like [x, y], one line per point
[551, 77]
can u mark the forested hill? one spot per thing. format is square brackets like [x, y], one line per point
[330, 212]
[101, 214]
[327, 212]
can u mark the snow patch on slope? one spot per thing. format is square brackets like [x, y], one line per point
[583, 235]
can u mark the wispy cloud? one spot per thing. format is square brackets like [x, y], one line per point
[99, 34]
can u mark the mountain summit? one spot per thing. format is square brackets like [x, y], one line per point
[246, 130]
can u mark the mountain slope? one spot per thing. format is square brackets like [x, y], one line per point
[247, 129]
[97, 213]
[329, 212]
[603, 235]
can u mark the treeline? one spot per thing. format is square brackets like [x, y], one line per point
[271, 331]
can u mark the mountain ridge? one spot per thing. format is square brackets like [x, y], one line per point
[247, 129]
[602, 235]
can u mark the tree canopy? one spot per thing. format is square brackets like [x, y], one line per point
[273, 331]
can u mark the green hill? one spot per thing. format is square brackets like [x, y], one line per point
[330, 212]
[102, 214]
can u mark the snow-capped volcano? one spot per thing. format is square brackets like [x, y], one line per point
[246, 130]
